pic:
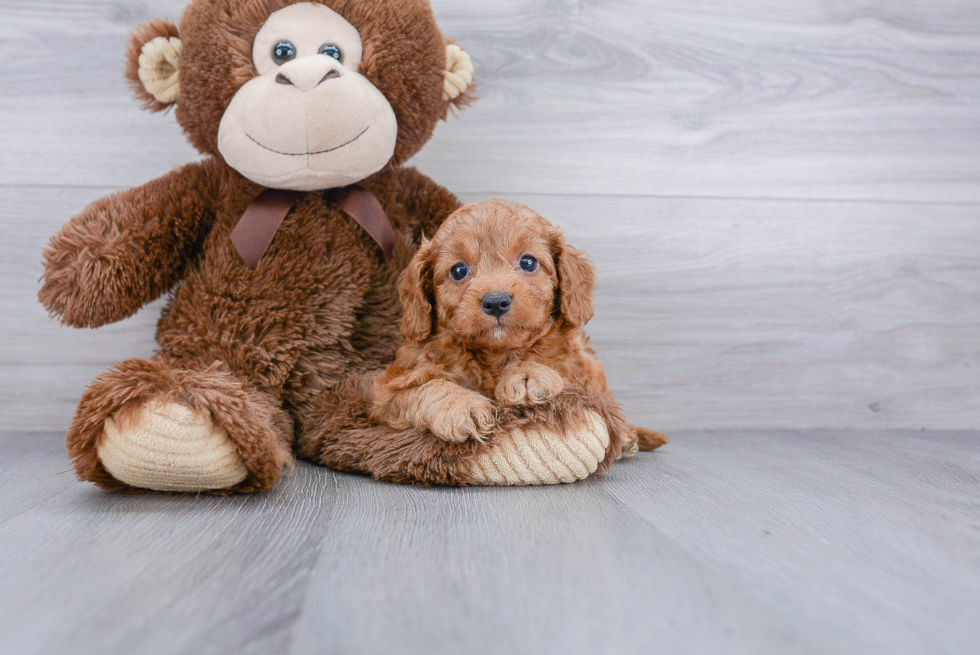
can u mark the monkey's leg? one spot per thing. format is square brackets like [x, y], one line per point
[577, 435]
[146, 426]
[339, 434]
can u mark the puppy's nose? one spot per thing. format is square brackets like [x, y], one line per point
[497, 304]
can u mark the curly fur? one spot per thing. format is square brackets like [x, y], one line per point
[462, 378]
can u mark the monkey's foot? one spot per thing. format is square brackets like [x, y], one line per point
[539, 457]
[146, 426]
[162, 445]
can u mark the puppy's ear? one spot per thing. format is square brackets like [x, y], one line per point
[153, 64]
[576, 281]
[417, 295]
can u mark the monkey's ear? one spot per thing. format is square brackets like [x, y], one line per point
[417, 296]
[153, 64]
[458, 89]
[576, 281]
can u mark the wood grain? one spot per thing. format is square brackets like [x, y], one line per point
[819, 543]
[840, 99]
[836, 99]
[84, 571]
[710, 314]
[782, 200]
[733, 542]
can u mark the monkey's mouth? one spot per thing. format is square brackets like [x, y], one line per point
[306, 154]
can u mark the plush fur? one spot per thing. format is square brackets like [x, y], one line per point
[464, 377]
[252, 348]
[404, 56]
[255, 421]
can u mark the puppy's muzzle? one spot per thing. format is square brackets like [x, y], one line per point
[497, 304]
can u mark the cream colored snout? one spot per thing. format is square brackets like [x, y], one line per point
[308, 73]
[308, 125]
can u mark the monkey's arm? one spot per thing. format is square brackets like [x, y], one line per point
[128, 249]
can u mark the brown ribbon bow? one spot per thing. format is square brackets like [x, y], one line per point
[258, 226]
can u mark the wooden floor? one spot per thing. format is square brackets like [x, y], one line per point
[783, 203]
[727, 542]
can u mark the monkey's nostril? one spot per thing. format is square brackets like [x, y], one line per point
[282, 79]
[332, 75]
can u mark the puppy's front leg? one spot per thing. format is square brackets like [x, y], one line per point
[528, 383]
[451, 412]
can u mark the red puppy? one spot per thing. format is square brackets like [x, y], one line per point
[494, 307]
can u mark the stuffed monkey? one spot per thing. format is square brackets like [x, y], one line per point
[280, 250]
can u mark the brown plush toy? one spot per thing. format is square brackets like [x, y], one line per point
[281, 249]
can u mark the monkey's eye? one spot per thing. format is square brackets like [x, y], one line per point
[283, 52]
[460, 271]
[332, 51]
[529, 263]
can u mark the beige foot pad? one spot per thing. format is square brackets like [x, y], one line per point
[165, 446]
[538, 458]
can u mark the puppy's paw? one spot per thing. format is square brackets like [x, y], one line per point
[462, 416]
[529, 384]
[543, 385]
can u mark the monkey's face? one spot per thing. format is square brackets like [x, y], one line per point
[309, 120]
[302, 95]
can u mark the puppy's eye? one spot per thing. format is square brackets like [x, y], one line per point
[529, 263]
[283, 52]
[460, 271]
[331, 50]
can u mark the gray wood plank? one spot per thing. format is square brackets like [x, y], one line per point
[84, 571]
[710, 313]
[554, 570]
[734, 542]
[711, 98]
[619, 120]
[840, 99]
[722, 543]
[868, 540]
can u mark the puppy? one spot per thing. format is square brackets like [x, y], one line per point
[494, 307]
